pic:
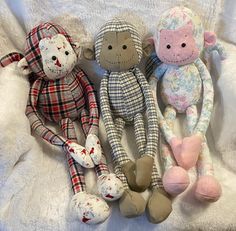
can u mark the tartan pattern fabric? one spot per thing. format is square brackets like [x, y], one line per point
[60, 99]
[118, 25]
[75, 170]
[10, 58]
[102, 169]
[156, 181]
[32, 51]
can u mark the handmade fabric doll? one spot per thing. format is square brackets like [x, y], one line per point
[125, 97]
[179, 41]
[63, 94]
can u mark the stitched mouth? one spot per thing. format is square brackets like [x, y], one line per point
[178, 61]
[120, 62]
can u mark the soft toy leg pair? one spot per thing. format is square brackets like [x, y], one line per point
[176, 179]
[132, 203]
[89, 208]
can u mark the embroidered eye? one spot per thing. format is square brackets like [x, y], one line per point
[110, 47]
[183, 45]
[67, 52]
[54, 57]
[124, 47]
[168, 46]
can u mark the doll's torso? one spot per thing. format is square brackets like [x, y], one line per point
[181, 86]
[62, 98]
[125, 95]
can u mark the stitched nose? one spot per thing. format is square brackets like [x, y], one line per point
[58, 63]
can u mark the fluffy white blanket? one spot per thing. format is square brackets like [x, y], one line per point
[34, 182]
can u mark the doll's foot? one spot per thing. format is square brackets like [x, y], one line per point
[191, 148]
[131, 204]
[93, 146]
[175, 180]
[144, 167]
[110, 187]
[176, 146]
[79, 154]
[90, 209]
[129, 170]
[207, 189]
[159, 206]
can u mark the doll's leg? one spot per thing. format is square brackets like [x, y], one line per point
[109, 186]
[131, 203]
[207, 187]
[159, 204]
[89, 208]
[144, 164]
[175, 178]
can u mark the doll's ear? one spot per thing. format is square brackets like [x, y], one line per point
[24, 67]
[89, 53]
[148, 47]
[209, 39]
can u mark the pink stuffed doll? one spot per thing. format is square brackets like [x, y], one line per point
[185, 80]
[63, 94]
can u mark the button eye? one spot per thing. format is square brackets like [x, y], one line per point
[67, 52]
[54, 57]
[183, 45]
[124, 47]
[110, 47]
[168, 46]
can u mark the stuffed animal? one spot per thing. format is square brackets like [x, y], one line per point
[185, 80]
[63, 94]
[125, 97]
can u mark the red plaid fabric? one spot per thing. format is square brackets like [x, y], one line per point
[10, 58]
[32, 51]
[60, 99]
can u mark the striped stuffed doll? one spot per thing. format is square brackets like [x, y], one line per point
[185, 82]
[125, 98]
[63, 94]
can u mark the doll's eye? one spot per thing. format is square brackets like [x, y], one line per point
[54, 57]
[124, 47]
[110, 47]
[67, 52]
[168, 46]
[183, 45]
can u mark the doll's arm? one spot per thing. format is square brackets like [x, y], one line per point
[208, 95]
[92, 141]
[92, 103]
[111, 131]
[154, 114]
[78, 152]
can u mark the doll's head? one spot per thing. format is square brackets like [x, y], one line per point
[49, 52]
[118, 46]
[180, 37]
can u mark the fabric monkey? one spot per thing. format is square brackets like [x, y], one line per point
[179, 41]
[63, 94]
[125, 97]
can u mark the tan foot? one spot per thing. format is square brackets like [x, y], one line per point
[129, 170]
[144, 166]
[131, 204]
[159, 206]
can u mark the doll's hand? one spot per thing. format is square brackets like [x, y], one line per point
[79, 154]
[94, 148]
[176, 146]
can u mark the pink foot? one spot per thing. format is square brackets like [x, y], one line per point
[175, 180]
[207, 189]
[191, 148]
[176, 146]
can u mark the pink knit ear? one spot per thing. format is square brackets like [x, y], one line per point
[151, 40]
[209, 39]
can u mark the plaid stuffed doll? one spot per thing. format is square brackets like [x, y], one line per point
[125, 97]
[63, 94]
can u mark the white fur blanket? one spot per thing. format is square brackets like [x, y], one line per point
[35, 188]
